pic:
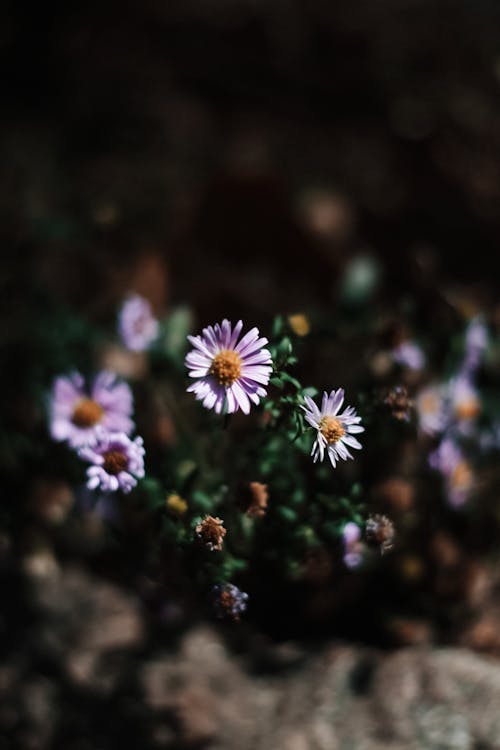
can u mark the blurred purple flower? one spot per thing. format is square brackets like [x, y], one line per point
[464, 397]
[353, 547]
[117, 462]
[476, 342]
[334, 431]
[76, 415]
[446, 456]
[229, 374]
[449, 460]
[410, 355]
[136, 323]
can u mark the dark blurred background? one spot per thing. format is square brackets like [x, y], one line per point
[251, 144]
[235, 155]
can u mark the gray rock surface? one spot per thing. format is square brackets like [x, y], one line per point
[346, 698]
[106, 685]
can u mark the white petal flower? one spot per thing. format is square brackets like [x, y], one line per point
[335, 431]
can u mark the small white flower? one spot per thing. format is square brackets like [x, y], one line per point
[334, 431]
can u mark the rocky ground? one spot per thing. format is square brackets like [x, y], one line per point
[88, 675]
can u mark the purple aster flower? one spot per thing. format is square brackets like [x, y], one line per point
[449, 460]
[136, 323]
[334, 431]
[353, 548]
[410, 355]
[229, 373]
[77, 414]
[117, 462]
[229, 601]
[476, 341]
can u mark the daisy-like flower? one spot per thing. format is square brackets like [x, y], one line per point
[229, 372]
[117, 462]
[76, 414]
[335, 432]
[136, 323]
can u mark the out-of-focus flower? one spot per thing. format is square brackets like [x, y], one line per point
[460, 483]
[380, 532]
[211, 532]
[334, 431]
[299, 324]
[230, 374]
[117, 462]
[431, 409]
[476, 342]
[77, 416]
[122, 361]
[254, 499]
[229, 601]
[450, 461]
[137, 325]
[464, 399]
[410, 355]
[52, 500]
[397, 492]
[399, 403]
[446, 456]
[353, 547]
[327, 214]
[176, 505]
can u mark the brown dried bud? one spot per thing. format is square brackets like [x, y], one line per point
[254, 497]
[399, 403]
[380, 532]
[211, 532]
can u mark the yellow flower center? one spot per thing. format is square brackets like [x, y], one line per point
[468, 409]
[114, 462]
[331, 429]
[87, 413]
[226, 367]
